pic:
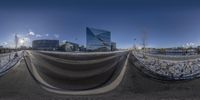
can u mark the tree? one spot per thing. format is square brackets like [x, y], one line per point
[144, 40]
[16, 41]
[134, 46]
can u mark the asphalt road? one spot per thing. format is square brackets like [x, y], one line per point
[75, 75]
[17, 84]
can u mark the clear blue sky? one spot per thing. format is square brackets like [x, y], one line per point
[168, 23]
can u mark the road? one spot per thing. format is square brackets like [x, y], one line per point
[68, 74]
[18, 84]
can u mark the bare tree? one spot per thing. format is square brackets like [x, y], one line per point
[144, 40]
[16, 41]
[134, 44]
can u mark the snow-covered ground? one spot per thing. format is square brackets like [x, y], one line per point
[8, 60]
[179, 68]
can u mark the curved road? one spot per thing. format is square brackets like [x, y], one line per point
[17, 84]
[75, 75]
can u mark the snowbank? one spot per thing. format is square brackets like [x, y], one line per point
[8, 60]
[180, 68]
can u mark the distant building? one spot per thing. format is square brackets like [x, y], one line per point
[82, 48]
[173, 51]
[113, 46]
[98, 40]
[1, 47]
[69, 47]
[50, 45]
[23, 47]
[198, 49]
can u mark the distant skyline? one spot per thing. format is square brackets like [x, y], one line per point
[168, 23]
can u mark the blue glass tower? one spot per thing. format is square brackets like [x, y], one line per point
[98, 40]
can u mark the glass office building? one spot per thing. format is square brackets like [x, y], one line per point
[98, 40]
[45, 44]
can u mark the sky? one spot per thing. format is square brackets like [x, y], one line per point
[167, 23]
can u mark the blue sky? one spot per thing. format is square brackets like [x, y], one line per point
[168, 23]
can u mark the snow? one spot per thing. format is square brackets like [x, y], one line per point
[8, 60]
[176, 67]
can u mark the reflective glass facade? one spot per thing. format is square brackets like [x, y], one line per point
[45, 44]
[98, 40]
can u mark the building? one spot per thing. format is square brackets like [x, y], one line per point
[1, 47]
[98, 40]
[113, 46]
[50, 45]
[69, 47]
[198, 49]
[82, 48]
[172, 51]
[23, 48]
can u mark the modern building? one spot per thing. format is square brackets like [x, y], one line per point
[50, 45]
[113, 46]
[69, 47]
[98, 40]
[82, 48]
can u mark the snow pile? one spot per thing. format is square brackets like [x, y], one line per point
[165, 66]
[9, 59]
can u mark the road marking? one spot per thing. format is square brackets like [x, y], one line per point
[37, 76]
[100, 90]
